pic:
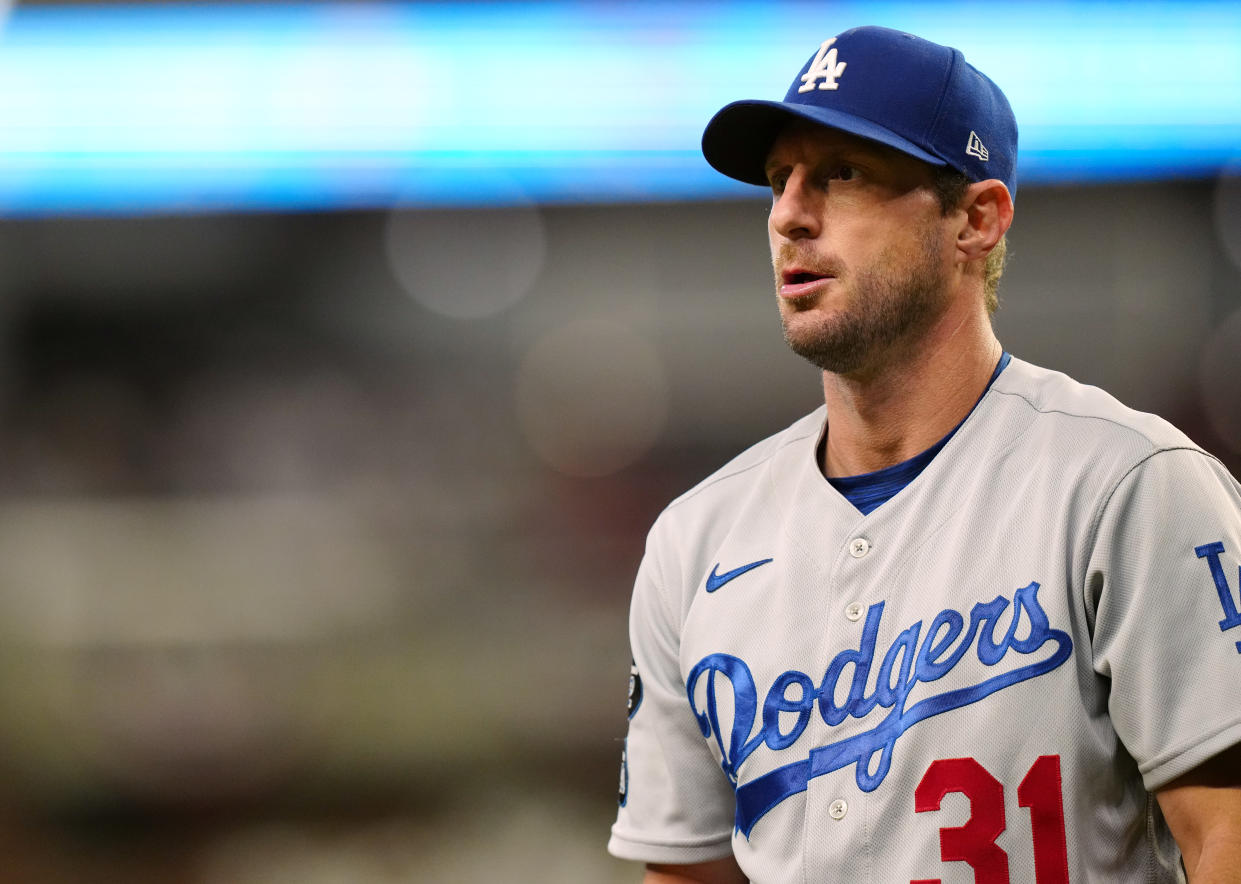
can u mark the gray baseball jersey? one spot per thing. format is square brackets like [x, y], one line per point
[983, 680]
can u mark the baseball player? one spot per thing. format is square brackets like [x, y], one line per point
[970, 620]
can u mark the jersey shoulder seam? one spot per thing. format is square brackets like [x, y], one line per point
[740, 465]
[1106, 499]
[1155, 446]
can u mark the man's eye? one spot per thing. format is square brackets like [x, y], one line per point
[777, 184]
[845, 173]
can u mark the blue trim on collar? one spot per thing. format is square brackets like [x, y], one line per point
[868, 491]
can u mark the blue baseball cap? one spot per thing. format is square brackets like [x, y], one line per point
[913, 95]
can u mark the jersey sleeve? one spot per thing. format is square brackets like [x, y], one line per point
[676, 804]
[1164, 579]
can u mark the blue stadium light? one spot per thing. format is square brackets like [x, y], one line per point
[291, 106]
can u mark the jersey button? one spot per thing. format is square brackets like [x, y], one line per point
[838, 808]
[854, 611]
[858, 547]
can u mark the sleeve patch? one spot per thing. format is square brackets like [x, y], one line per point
[622, 796]
[635, 689]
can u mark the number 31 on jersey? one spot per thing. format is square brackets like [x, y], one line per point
[974, 842]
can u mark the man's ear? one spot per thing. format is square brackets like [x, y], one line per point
[988, 208]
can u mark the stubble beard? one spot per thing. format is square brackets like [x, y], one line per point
[889, 305]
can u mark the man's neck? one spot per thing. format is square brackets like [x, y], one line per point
[880, 418]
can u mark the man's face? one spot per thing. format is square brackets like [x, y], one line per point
[859, 245]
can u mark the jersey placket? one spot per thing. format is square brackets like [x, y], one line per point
[837, 832]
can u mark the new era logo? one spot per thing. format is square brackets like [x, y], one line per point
[825, 66]
[976, 148]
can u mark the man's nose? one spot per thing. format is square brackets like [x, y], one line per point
[796, 211]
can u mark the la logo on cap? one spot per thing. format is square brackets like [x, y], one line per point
[825, 66]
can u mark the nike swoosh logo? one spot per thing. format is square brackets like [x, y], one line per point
[715, 581]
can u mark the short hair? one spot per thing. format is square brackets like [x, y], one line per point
[950, 186]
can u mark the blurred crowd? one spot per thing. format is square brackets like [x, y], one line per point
[317, 532]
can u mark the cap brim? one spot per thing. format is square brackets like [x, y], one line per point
[738, 138]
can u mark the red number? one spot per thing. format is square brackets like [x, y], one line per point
[1041, 791]
[974, 842]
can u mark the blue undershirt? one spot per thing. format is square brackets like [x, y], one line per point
[868, 490]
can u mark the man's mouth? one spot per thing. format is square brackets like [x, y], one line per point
[797, 282]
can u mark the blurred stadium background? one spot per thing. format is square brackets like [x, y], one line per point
[347, 351]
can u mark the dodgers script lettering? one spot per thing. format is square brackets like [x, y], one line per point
[912, 658]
